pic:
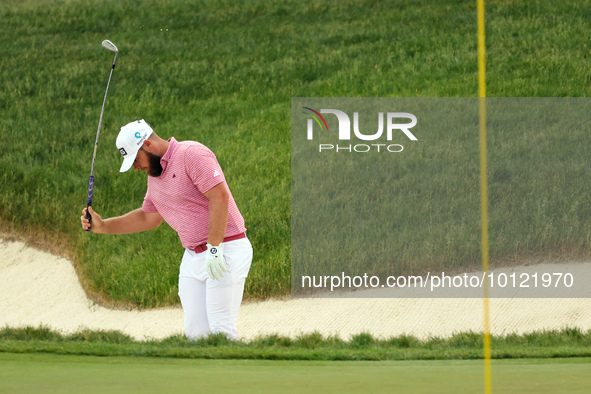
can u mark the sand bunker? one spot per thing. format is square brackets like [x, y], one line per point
[37, 288]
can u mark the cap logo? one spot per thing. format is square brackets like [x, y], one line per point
[142, 139]
[123, 152]
[137, 134]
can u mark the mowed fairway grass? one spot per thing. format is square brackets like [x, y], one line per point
[65, 374]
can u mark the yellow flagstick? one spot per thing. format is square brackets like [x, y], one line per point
[484, 192]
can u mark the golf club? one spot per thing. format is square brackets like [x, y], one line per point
[110, 46]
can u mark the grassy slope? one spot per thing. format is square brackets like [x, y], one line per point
[223, 73]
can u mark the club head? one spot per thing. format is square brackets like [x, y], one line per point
[110, 46]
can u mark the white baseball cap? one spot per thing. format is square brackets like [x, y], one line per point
[130, 140]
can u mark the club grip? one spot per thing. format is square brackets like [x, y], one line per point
[88, 216]
[89, 200]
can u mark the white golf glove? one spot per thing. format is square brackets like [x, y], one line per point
[215, 262]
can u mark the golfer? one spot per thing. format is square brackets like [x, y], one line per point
[187, 189]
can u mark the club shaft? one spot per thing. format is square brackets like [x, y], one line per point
[98, 133]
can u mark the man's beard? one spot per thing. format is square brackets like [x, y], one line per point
[154, 166]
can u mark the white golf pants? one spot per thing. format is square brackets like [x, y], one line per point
[211, 306]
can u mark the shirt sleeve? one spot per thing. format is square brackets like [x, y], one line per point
[203, 168]
[148, 205]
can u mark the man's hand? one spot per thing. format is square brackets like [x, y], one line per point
[214, 260]
[97, 221]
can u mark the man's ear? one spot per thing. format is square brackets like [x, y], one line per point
[148, 146]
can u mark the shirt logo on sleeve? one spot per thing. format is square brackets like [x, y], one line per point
[215, 173]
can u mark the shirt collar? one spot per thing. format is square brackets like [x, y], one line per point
[166, 158]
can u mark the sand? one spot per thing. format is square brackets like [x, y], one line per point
[38, 288]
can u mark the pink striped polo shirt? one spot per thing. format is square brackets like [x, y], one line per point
[190, 169]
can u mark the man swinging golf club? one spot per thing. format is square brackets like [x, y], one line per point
[187, 189]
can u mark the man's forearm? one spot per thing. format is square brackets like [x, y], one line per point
[132, 222]
[218, 220]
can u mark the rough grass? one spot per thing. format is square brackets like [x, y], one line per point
[568, 342]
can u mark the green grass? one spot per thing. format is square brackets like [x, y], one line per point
[313, 346]
[224, 74]
[48, 373]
